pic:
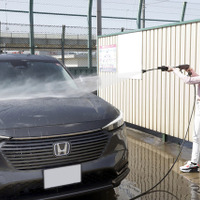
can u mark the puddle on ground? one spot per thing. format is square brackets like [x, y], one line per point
[126, 190]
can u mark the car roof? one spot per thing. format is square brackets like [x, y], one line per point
[26, 57]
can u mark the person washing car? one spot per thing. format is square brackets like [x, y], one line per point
[194, 78]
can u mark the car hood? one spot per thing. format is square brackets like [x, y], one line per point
[54, 116]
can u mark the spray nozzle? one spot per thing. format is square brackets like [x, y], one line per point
[144, 70]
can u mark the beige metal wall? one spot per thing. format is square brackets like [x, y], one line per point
[160, 101]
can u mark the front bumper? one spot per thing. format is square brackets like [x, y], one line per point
[96, 175]
[100, 174]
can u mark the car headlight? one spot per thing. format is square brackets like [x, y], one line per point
[115, 123]
[4, 137]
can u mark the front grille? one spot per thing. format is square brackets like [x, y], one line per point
[38, 153]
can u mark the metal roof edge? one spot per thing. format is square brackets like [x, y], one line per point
[151, 28]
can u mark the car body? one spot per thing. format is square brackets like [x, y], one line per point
[55, 141]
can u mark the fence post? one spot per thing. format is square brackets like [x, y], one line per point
[139, 14]
[99, 25]
[63, 44]
[90, 34]
[31, 36]
[183, 11]
[143, 14]
[1, 50]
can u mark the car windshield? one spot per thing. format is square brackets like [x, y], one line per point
[29, 78]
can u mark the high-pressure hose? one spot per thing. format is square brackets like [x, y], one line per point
[164, 68]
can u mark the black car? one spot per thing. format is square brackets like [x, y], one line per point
[55, 141]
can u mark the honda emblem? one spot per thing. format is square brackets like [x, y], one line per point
[61, 148]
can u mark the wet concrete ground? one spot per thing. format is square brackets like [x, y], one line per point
[149, 161]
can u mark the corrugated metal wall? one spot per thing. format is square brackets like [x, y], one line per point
[160, 101]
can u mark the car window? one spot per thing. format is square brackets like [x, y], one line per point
[33, 70]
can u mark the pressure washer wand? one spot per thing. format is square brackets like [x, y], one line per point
[165, 68]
